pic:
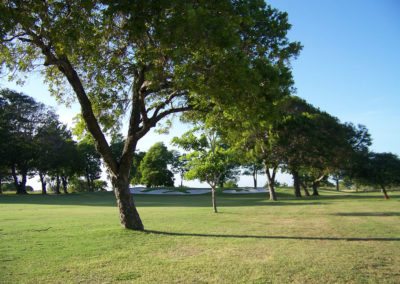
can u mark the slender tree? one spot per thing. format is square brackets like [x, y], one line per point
[209, 158]
[179, 165]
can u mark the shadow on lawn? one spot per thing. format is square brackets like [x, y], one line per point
[269, 237]
[367, 214]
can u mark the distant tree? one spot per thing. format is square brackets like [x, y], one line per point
[56, 153]
[136, 174]
[154, 166]
[179, 164]
[311, 143]
[379, 169]
[209, 158]
[91, 162]
[20, 119]
[253, 169]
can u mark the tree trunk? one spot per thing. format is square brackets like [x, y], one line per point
[337, 184]
[57, 189]
[214, 201]
[43, 182]
[1, 189]
[90, 187]
[271, 183]
[181, 180]
[19, 185]
[272, 193]
[383, 189]
[304, 186]
[255, 178]
[64, 181]
[296, 184]
[128, 214]
[315, 185]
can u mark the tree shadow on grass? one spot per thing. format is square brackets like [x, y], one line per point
[270, 237]
[367, 214]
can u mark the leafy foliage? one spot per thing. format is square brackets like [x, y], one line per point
[154, 166]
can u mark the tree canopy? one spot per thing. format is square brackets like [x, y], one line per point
[154, 166]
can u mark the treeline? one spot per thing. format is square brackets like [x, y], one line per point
[294, 137]
[33, 142]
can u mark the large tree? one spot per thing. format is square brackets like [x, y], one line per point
[148, 59]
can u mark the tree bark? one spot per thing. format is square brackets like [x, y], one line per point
[43, 182]
[181, 180]
[255, 177]
[57, 189]
[296, 184]
[64, 181]
[383, 189]
[128, 214]
[337, 184]
[315, 185]
[306, 192]
[271, 183]
[214, 201]
[19, 185]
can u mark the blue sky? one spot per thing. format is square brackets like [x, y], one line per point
[350, 63]
[349, 67]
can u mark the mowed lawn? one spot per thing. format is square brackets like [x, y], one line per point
[335, 238]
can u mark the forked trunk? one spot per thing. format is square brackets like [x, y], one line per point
[214, 201]
[43, 182]
[57, 189]
[296, 184]
[383, 189]
[128, 213]
[271, 182]
[20, 185]
[304, 186]
[64, 181]
[272, 193]
[315, 188]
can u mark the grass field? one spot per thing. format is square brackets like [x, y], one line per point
[336, 238]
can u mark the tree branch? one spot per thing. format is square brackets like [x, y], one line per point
[92, 124]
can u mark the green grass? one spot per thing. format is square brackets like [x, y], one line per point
[335, 238]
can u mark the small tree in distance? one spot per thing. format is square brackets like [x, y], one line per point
[379, 169]
[154, 166]
[179, 165]
[208, 159]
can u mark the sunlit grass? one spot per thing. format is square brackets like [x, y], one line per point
[334, 238]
